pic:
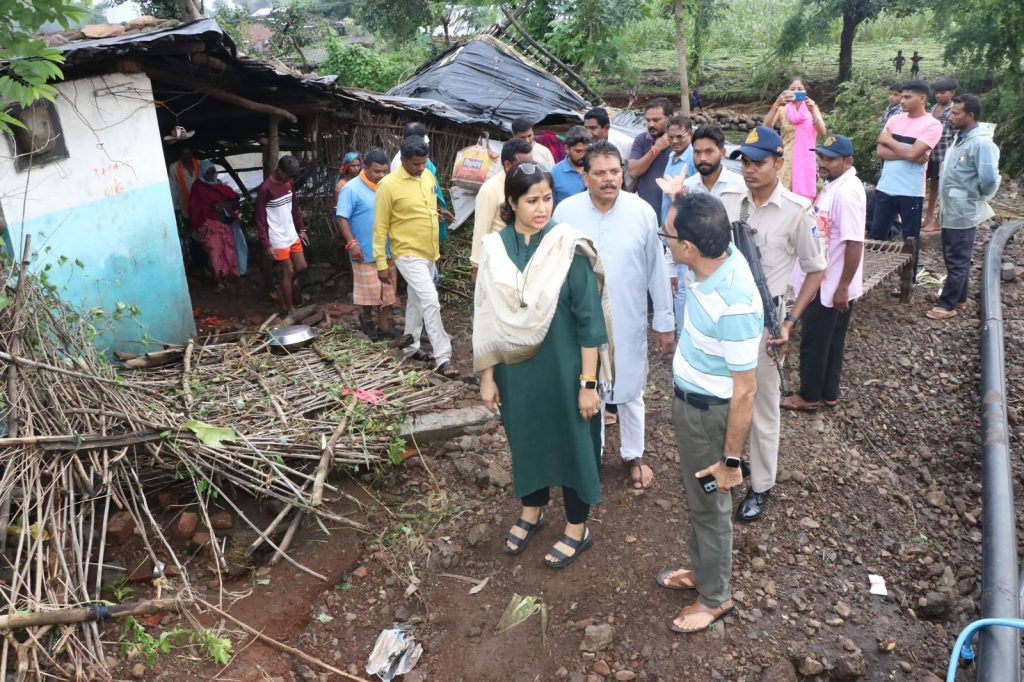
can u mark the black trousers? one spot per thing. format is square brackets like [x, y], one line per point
[822, 344]
[576, 510]
[956, 251]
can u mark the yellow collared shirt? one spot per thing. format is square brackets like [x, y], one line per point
[405, 211]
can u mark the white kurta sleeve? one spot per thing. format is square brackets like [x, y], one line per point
[659, 285]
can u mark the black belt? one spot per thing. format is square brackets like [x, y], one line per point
[699, 400]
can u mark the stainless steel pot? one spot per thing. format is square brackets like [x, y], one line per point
[291, 338]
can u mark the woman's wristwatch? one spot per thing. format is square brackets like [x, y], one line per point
[588, 382]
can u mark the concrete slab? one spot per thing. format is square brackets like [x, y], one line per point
[444, 424]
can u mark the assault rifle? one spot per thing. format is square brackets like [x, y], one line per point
[743, 237]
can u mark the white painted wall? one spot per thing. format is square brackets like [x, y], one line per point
[113, 141]
[101, 221]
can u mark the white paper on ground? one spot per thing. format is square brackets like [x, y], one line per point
[877, 585]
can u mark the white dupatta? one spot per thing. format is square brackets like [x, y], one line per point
[506, 331]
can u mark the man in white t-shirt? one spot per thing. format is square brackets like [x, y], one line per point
[839, 216]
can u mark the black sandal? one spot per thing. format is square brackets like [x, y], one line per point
[520, 543]
[447, 370]
[580, 546]
[420, 356]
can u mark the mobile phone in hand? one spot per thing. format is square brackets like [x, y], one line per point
[709, 483]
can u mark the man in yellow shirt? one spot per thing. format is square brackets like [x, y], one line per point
[487, 214]
[406, 214]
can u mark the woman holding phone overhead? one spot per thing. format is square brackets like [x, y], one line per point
[541, 347]
[799, 122]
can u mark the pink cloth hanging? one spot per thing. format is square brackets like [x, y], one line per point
[804, 178]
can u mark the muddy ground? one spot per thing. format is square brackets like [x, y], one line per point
[887, 483]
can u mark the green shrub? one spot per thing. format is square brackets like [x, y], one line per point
[357, 67]
[859, 106]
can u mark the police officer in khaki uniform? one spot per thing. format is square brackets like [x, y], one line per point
[786, 234]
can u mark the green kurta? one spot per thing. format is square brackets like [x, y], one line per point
[551, 444]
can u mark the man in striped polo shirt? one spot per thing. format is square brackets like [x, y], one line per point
[714, 374]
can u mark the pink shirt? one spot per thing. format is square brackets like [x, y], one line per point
[839, 213]
[906, 178]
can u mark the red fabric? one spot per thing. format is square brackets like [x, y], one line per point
[551, 141]
[219, 241]
[205, 196]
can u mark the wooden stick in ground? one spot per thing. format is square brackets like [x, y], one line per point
[289, 535]
[278, 645]
[185, 376]
[84, 614]
[327, 458]
[13, 419]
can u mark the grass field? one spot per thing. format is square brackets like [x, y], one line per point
[741, 64]
[743, 75]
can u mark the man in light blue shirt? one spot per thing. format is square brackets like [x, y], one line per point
[714, 376]
[680, 158]
[567, 174]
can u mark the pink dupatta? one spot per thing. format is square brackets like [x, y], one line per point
[804, 176]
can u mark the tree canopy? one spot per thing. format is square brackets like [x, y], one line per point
[811, 21]
[30, 63]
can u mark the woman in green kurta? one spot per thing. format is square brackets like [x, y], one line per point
[539, 365]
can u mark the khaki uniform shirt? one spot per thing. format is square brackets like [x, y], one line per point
[786, 233]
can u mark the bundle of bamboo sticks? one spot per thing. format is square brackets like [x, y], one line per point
[84, 441]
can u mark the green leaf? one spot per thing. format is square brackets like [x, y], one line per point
[4, 301]
[324, 618]
[209, 435]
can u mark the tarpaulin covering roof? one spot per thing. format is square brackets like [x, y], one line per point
[486, 79]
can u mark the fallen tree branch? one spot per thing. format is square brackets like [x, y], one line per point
[84, 614]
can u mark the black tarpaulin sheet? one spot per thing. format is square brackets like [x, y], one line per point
[487, 80]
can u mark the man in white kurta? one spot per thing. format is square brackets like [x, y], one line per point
[625, 230]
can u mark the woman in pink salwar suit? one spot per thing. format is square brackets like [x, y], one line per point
[799, 122]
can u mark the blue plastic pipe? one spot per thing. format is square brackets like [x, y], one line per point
[963, 649]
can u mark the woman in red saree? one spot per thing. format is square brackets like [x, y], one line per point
[213, 206]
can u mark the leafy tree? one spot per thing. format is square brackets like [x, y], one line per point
[30, 65]
[583, 33]
[813, 17]
[184, 10]
[986, 37]
[400, 20]
[357, 67]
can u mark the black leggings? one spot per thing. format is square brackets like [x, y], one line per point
[576, 510]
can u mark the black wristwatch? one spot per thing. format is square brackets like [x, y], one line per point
[790, 317]
[732, 462]
[588, 384]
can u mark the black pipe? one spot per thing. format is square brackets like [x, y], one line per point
[998, 648]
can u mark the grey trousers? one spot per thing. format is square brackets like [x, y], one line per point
[700, 439]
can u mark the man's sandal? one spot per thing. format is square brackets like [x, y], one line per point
[447, 370]
[420, 355]
[940, 313]
[636, 468]
[677, 579]
[710, 616]
[797, 404]
[520, 543]
[580, 546]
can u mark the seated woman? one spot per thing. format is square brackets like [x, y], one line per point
[213, 213]
[540, 341]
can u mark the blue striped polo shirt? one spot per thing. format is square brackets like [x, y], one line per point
[722, 327]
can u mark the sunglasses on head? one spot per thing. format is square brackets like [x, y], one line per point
[531, 168]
